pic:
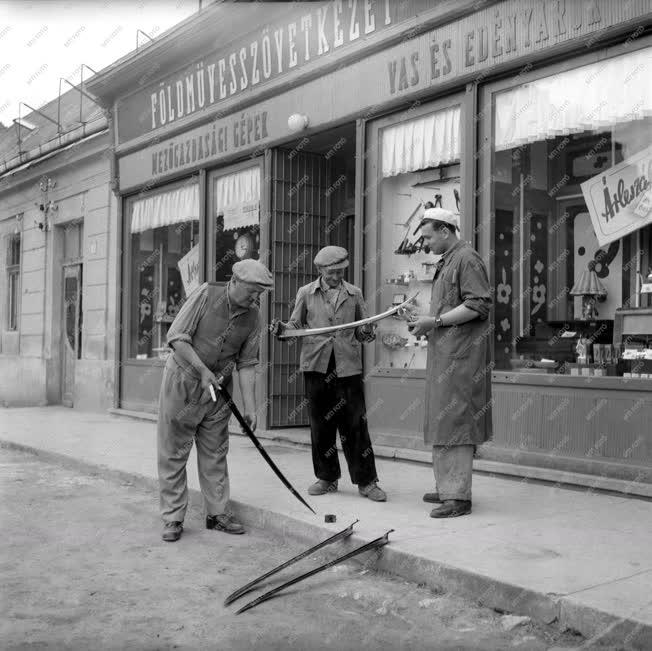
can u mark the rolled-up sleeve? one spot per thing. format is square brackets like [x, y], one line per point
[248, 354]
[474, 286]
[185, 323]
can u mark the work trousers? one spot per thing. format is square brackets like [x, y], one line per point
[338, 404]
[453, 467]
[184, 418]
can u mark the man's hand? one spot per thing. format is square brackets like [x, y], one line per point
[251, 420]
[420, 325]
[207, 379]
[277, 327]
[367, 332]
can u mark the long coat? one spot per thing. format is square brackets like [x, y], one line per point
[458, 376]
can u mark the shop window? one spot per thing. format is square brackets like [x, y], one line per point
[560, 277]
[164, 265]
[13, 281]
[237, 224]
[421, 169]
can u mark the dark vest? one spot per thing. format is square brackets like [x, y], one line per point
[217, 340]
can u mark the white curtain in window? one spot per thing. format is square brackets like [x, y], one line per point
[590, 98]
[166, 208]
[427, 141]
[237, 197]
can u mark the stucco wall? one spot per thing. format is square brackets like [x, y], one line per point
[30, 359]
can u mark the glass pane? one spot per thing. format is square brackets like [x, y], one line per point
[70, 306]
[557, 289]
[13, 301]
[164, 269]
[236, 201]
[406, 267]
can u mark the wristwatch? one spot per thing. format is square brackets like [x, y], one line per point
[438, 322]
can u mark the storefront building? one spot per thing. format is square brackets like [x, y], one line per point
[57, 257]
[336, 123]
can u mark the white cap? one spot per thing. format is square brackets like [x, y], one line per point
[442, 215]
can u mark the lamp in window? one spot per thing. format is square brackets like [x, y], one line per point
[591, 290]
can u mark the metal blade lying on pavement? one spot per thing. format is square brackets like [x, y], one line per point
[345, 533]
[254, 439]
[379, 542]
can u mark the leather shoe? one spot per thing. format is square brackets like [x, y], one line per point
[451, 509]
[433, 498]
[322, 486]
[172, 531]
[373, 492]
[224, 522]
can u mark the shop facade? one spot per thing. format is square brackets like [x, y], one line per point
[336, 124]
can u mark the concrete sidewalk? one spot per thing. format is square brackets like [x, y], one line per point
[579, 557]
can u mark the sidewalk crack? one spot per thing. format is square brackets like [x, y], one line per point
[604, 583]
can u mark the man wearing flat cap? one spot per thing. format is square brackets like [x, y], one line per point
[216, 331]
[332, 368]
[458, 375]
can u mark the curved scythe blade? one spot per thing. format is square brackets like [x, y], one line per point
[254, 439]
[379, 542]
[345, 533]
[290, 333]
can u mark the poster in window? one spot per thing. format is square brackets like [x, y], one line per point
[189, 270]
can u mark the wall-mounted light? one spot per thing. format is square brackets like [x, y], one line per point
[47, 184]
[298, 122]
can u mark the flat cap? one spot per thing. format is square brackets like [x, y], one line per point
[441, 215]
[332, 257]
[254, 272]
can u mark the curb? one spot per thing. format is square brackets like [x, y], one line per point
[594, 624]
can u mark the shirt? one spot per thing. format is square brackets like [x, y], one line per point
[223, 336]
[312, 309]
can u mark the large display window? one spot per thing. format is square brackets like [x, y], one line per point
[571, 170]
[419, 169]
[163, 265]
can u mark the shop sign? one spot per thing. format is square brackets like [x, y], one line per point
[189, 270]
[310, 33]
[620, 199]
[207, 143]
[464, 50]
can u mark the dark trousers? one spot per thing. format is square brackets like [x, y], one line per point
[338, 404]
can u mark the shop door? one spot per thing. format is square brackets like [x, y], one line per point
[300, 214]
[71, 327]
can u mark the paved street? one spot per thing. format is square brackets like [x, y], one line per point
[84, 567]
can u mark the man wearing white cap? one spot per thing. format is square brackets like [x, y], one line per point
[216, 331]
[332, 367]
[458, 375]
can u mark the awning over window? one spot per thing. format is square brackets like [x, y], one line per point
[166, 208]
[237, 197]
[589, 98]
[428, 141]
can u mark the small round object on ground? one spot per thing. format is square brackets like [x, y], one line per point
[329, 517]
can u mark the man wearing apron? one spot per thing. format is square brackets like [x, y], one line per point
[332, 367]
[216, 331]
[458, 375]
